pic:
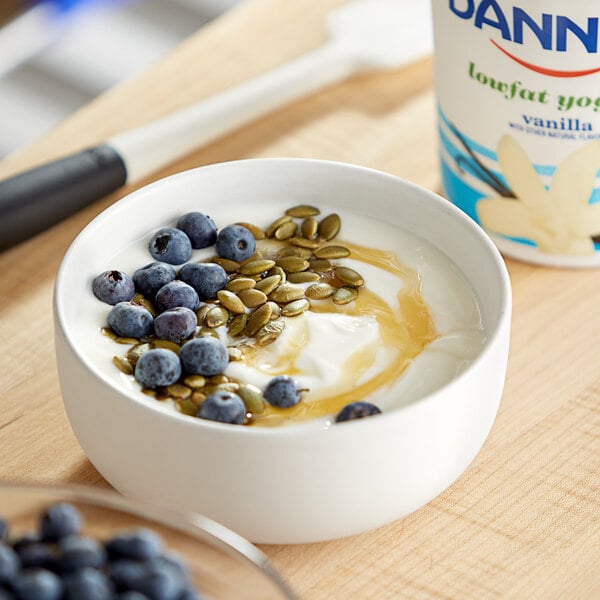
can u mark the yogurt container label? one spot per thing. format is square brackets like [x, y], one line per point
[518, 89]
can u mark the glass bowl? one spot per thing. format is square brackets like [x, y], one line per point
[222, 564]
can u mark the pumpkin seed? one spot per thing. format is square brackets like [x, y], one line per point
[255, 230]
[168, 345]
[344, 295]
[303, 277]
[237, 324]
[294, 251]
[257, 266]
[187, 407]
[309, 228]
[127, 340]
[287, 293]
[195, 381]
[286, 230]
[349, 277]
[302, 210]
[231, 302]
[278, 271]
[268, 284]
[292, 264]
[332, 252]
[227, 386]
[270, 332]
[235, 353]
[320, 290]
[149, 392]
[177, 390]
[321, 265]
[272, 228]
[230, 266]
[276, 310]
[329, 227]
[240, 283]
[217, 316]
[258, 319]
[198, 397]
[123, 365]
[304, 243]
[218, 379]
[201, 313]
[295, 308]
[134, 353]
[109, 333]
[142, 301]
[252, 397]
[208, 332]
[252, 298]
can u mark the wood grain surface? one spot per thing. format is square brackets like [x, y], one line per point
[524, 520]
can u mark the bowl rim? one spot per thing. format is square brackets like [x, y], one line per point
[309, 427]
[192, 524]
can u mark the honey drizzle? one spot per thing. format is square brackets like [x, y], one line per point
[404, 334]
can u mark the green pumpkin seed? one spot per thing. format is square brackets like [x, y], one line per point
[177, 390]
[304, 243]
[320, 291]
[235, 353]
[287, 293]
[294, 251]
[252, 298]
[123, 365]
[167, 345]
[256, 231]
[109, 333]
[292, 264]
[227, 386]
[144, 302]
[134, 353]
[295, 308]
[302, 210]
[195, 381]
[208, 332]
[240, 283]
[344, 295]
[230, 266]
[217, 316]
[275, 310]
[278, 271]
[286, 231]
[309, 228]
[127, 341]
[329, 227]
[331, 252]
[257, 266]
[270, 332]
[268, 284]
[198, 397]
[202, 312]
[187, 407]
[252, 397]
[272, 228]
[218, 379]
[349, 277]
[149, 392]
[231, 302]
[258, 319]
[237, 324]
[303, 277]
[321, 265]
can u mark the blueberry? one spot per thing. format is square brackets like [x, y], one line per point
[125, 573]
[225, 407]
[204, 356]
[174, 294]
[37, 583]
[77, 552]
[282, 391]
[88, 584]
[157, 367]
[206, 278]
[175, 324]
[113, 287]
[38, 554]
[9, 563]
[130, 320]
[149, 279]
[6, 595]
[59, 521]
[130, 595]
[4, 530]
[170, 245]
[31, 537]
[138, 544]
[200, 228]
[190, 594]
[160, 582]
[175, 562]
[235, 243]
[357, 410]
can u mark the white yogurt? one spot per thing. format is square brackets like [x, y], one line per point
[321, 343]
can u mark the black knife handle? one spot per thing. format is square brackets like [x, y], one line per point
[34, 200]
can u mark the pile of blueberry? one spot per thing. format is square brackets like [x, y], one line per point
[176, 295]
[57, 562]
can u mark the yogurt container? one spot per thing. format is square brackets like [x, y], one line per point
[518, 89]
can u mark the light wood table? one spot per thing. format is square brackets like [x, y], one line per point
[524, 520]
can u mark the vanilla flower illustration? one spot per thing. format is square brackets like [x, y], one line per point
[560, 220]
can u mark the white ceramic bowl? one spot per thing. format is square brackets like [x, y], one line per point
[300, 483]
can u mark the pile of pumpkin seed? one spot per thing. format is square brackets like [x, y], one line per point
[294, 265]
